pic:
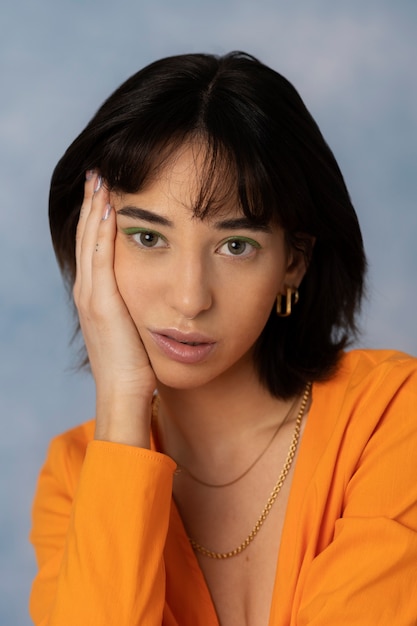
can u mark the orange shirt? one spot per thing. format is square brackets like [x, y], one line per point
[112, 550]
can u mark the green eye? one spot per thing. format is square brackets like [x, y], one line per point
[238, 246]
[149, 240]
[145, 238]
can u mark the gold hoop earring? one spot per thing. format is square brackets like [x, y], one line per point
[291, 297]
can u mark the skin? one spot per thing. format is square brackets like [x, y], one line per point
[123, 289]
[135, 276]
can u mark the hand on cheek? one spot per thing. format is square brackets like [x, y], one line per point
[120, 366]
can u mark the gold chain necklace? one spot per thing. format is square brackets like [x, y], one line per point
[274, 494]
[182, 468]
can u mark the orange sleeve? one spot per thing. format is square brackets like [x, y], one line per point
[99, 536]
[368, 573]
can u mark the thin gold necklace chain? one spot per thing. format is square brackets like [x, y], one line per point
[182, 468]
[274, 494]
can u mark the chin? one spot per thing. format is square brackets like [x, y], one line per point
[185, 381]
[191, 377]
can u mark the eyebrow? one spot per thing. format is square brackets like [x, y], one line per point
[143, 214]
[237, 223]
[240, 223]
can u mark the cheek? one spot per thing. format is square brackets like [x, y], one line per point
[131, 282]
[250, 309]
[261, 314]
[121, 268]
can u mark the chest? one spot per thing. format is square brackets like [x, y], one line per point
[242, 586]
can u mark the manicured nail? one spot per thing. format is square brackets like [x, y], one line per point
[107, 211]
[89, 174]
[99, 183]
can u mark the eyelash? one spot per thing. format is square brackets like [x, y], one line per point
[132, 232]
[245, 240]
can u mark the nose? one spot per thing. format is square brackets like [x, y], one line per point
[189, 291]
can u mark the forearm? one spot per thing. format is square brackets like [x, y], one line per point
[112, 570]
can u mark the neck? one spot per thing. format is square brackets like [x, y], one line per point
[220, 426]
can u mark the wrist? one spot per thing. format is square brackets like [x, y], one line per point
[124, 419]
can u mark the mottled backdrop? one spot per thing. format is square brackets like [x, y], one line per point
[355, 66]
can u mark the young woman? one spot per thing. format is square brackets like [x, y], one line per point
[243, 468]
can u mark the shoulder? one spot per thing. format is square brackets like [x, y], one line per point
[371, 388]
[379, 377]
[66, 454]
[377, 361]
[362, 372]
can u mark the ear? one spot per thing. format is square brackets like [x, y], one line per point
[300, 251]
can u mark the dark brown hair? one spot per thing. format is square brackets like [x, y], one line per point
[253, 121]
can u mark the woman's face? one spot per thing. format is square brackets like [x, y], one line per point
[199, 291]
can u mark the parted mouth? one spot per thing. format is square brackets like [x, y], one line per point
[183, 347]
[186, 338]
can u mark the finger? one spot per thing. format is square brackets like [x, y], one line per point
[95, 209]
[104, 286]
[92, 181]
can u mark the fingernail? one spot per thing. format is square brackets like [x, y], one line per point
[99, 183]
[89, 174]
[107, 212]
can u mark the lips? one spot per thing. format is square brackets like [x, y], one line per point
[189, 348]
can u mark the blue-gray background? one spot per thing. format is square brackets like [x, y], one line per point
[355, 66]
